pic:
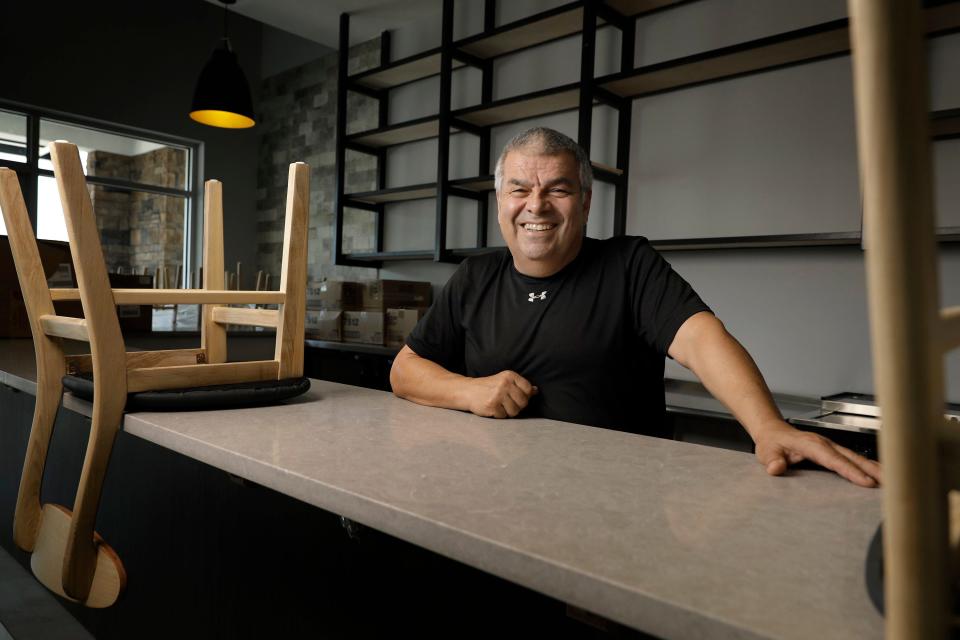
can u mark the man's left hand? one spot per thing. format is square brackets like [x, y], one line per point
[779, 446]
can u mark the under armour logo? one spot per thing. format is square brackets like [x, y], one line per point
[534, 296]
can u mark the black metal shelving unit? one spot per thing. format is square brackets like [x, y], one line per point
[617, 91]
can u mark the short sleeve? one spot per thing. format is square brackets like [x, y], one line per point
[439, 336]
[661, 300]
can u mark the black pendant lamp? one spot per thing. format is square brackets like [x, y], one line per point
[222, 97]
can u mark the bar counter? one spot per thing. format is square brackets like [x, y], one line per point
[674, 539]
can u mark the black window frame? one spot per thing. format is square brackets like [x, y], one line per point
[30, 172]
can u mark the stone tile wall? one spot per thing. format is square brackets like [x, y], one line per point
[140, 231]
[297, 112]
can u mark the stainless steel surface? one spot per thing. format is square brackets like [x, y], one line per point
[857, 403]
[692, 398]
[851, 409]
[839, 421]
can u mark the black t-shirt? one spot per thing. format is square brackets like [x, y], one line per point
[592, 337]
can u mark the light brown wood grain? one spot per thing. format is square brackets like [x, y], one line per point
[47, 561]
[293, 275]
[48, 353]
[954, 509]
[200, 375]
[529, 34]
[179, 296]
[399, 135]
[109, 360]
[636, 7]
[213, 336]
[606, 167]
[65, 327]
[890, 88]
[950, 328]
[246, 317]
[68, 555]
[141, 359]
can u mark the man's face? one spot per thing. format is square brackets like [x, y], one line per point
[541, 210]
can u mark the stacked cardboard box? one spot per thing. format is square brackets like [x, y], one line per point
[380, 295]
[327, 301]
[363, 327]
[400, 322]
[380, 299]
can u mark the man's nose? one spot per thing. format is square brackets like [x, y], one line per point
[536, 202]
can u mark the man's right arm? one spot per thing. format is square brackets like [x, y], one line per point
[423, 381]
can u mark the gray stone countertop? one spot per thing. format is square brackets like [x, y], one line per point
[676, 539]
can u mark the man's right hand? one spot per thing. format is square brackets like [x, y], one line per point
[502, 395]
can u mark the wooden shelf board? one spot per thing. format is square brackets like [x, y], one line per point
[759, 242]
[351, 347]
[479, 183]
[514, 36]
[486, 183]
[598, 166]
[420, 129]
[425, 254]
[803, 45]
[945, 124]
[638, 7]
[473, 251]
[520, 108]
[403, 71]
[396, 194]
[942, 18]
[731, 61]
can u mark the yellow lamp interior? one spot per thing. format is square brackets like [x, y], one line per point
[224, 119]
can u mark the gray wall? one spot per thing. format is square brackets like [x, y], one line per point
[774, 152]
[136, 63]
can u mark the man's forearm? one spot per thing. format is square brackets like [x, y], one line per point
[730, 374]
[426, 382]
[703, 345]
[502, 395]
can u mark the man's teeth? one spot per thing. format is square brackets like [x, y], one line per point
[538, 227]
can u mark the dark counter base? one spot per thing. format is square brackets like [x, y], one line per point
[211, 556]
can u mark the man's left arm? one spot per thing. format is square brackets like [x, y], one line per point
[703, 345]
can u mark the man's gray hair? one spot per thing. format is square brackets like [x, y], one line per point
[548, 142]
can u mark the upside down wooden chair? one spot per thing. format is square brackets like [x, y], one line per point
[67, 555]
[919, 448]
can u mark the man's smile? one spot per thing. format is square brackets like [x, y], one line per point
[540, 226]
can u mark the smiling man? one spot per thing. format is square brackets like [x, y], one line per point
[576, 329]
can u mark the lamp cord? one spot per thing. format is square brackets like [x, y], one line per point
[226, 15]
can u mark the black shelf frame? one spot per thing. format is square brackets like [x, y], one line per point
[616, 91]
[476, 120]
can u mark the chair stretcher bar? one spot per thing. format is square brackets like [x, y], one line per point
[180, 296]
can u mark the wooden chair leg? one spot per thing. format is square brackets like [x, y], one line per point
[293, 279]
[28, 513]
[890, 90]
[68, 558]
[80, 556]
[213, 336]
[49, 358]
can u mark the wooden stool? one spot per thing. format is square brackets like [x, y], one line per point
[919, 449]
[68, 556]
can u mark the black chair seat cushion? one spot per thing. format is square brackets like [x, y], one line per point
[221, 396]
[874, 569]
[875, 579]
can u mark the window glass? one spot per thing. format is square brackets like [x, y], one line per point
[13, 136]
[110, 155]
[50, 225]
[140, 232]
